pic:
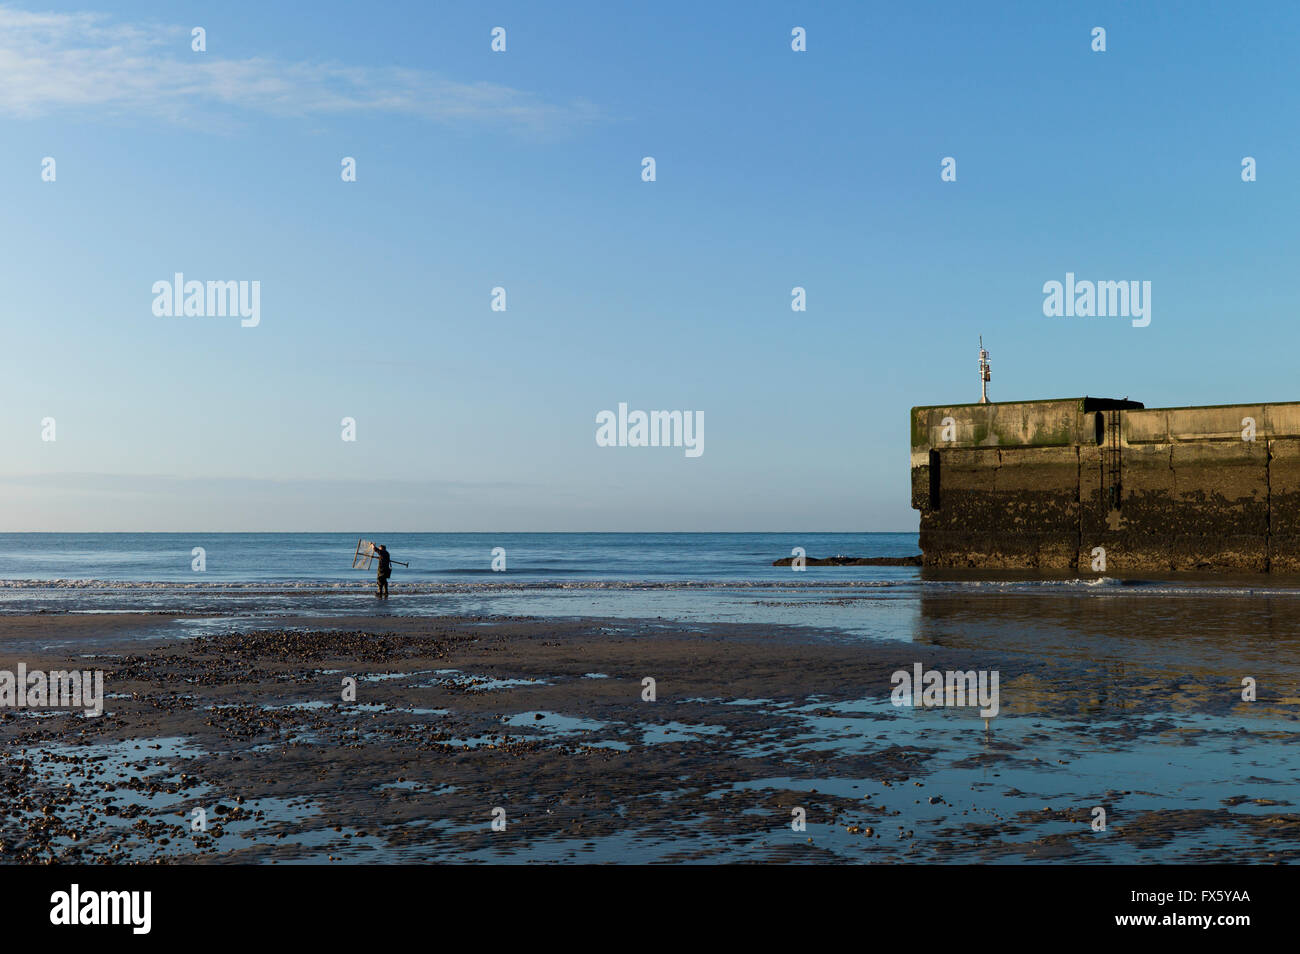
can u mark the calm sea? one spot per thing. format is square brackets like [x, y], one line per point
[694, 577]
[325, 558]
[674, 577]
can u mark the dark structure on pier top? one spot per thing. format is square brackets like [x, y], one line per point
[1041, 485]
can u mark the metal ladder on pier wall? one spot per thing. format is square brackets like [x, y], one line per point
[1110, 462]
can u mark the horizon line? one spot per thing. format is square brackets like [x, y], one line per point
[398, 532]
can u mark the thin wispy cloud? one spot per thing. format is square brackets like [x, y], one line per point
[51, 62]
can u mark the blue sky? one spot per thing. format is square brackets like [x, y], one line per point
[523, 170]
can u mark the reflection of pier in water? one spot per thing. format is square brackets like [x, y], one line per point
[1063, 651]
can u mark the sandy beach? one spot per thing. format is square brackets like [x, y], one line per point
[541, 726]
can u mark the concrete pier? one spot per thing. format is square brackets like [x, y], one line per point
[1056, 485]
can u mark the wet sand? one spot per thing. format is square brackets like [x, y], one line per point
[460, 722]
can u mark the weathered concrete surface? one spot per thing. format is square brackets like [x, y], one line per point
[1034, 485]
[1284, 506]
[1013, 424]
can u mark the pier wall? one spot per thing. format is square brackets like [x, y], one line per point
[1042, 484]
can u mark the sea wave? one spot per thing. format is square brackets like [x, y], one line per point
[1099, 586]
[333, 586]
[1111, 586]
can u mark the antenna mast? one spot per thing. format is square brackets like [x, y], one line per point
[984, 373]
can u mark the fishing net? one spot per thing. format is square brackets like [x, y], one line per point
[365, 553]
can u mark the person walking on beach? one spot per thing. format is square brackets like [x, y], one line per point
[384, 572]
